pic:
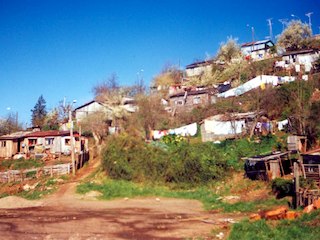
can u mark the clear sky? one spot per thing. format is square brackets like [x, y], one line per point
[62, 48]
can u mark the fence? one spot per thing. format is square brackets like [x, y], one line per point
[21, 175]
[311, 173]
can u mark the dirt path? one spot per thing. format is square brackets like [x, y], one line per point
[67, 215]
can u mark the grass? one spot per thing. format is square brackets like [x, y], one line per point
[305, 227]
[211, 200]
[21, 164]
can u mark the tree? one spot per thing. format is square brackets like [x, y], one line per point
[294, 36]
[39, 113]
[169, 75]
[229, 50]
[151, 114]
[9, 124]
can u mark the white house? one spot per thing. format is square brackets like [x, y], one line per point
[88, 108]
[304, 57]
[257, 50]
[224, 126]
[54, 141]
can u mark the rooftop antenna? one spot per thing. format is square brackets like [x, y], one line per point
[284, 22]
[309, 16]
[270, 28]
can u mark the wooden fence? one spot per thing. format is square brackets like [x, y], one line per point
[25, 174]
[310, 173]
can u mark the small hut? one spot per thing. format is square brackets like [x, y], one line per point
[268, 167]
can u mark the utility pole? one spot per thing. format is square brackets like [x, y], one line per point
[284, 22]
[72, 140]
[309, 16]
[270, 28]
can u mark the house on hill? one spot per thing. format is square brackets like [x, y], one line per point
[54, 141]
[257, 50]
[190, 98]
[199, 68]
[11, 144]
[305, 57]
[88, 108]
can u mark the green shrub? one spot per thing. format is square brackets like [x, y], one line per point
[128, 158]
[282, 187]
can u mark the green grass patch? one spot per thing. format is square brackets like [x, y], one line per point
[21, 164]
[112, 189]
[305, 227]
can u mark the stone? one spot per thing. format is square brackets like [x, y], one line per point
[277, 214]
[308, 209]
[255, 217]
[290, 215]
[316, 204]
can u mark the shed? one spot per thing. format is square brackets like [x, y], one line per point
[268, 167]
[297, 143]
[12, 144]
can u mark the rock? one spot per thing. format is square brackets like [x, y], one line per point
[316, 204]
[277, 214]
[308, 209]
[220, 235]
[231, 199]
[26, 187]
[255, 217]
[290, 215]
[158, 199]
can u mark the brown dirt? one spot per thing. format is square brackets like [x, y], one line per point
[67, 215]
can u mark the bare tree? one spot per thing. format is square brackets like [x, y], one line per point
[229, 50]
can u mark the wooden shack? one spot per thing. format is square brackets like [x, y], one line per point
[268, 167]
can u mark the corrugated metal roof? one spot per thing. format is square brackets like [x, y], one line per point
[255, 43]
[51, 133]
[15, 135]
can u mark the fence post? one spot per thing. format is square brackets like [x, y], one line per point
[296, 183]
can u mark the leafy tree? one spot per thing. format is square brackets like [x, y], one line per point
[39, 113]
[229, 50]
[150, 115]
[9, 124]
[294, 36]
[52, 120]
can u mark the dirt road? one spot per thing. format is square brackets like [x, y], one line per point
[66, 215]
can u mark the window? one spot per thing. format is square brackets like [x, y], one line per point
[49, 141]
[32, 142]
[179, 102]
[67, 141]
[3, 144]
[196, 100]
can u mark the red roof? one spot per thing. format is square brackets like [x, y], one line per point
[51, 133]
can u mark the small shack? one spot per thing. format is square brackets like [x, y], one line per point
[268, 167]
[297, 143]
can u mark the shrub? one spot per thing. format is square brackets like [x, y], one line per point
[282, 187]
[128, 158]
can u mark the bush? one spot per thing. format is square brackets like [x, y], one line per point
[129, 158]
[282, 187]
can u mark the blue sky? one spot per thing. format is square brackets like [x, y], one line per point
[62, 48]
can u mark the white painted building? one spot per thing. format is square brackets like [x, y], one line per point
[86, 109]
[257, 50]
